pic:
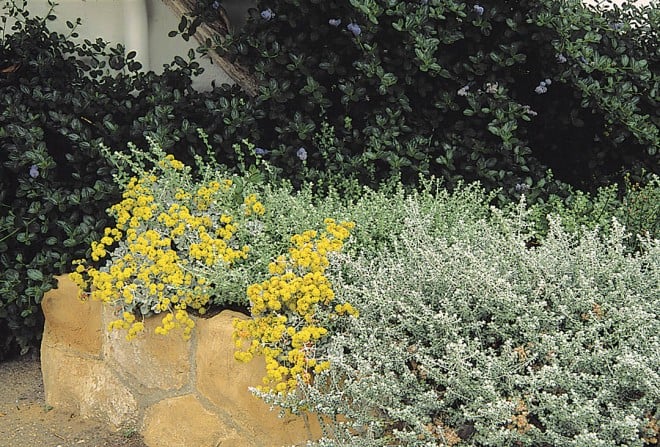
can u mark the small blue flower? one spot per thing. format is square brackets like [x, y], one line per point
[478, 9]
[561, 58]
[260, 151]
[267, 14]
[354, 28]
[334, 22]
[216, 4]
[522, 187]
[543, 86]
[463, 91]
[491, 87]
[617, 26]
[528, 110]
[302, 154]
[34, 171]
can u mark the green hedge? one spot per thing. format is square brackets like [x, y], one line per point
[431, 87]
[59, 102]
[491, 91]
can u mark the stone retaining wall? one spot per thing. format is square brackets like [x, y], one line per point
[175, 392]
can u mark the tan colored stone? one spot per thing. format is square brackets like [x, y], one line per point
[103, 376]
[150, 360]
[71, 323]
[184, 422]
[225, 382]
[86, 387]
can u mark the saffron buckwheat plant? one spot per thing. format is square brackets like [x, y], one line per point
[293, 311]
[176, 239]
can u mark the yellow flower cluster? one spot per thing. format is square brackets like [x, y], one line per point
[163, 238]
[253, 206]
[171, 162]
[287, 310]
[205, 194]
[127, 322]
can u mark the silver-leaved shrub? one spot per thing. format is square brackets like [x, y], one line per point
[467, 336]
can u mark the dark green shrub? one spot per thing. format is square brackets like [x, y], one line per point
[59, 101]
[496, 91]
[52, 195]
[333, 103]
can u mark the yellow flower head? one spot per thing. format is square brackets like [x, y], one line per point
[285, 310]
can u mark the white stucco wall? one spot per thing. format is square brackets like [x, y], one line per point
[140, 25]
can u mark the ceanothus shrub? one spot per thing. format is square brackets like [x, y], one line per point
[491, 90]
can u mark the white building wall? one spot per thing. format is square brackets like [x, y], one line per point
[140, 25]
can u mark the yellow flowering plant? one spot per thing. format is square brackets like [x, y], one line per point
[177, 241]
[293, 310]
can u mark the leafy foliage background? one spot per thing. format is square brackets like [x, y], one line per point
[434, 87]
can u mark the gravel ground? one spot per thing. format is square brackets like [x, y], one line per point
[26, 420]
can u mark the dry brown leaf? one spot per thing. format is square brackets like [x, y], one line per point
[10, 69]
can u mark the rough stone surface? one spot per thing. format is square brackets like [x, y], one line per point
[182, 422]
[215, 352]
[229, 391]
[187, 394]
[152, 361]
[87, 387]
[71, 323]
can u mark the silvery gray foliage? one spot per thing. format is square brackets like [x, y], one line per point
[468, 337]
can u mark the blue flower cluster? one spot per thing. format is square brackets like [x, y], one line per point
[543, 86]
[492, 87]
[463, 91]
[354, 28]
[267, 14]
[302, 154]
[34, 171]
[334, 22]
[528, 110]
[478, 9]
[522, 187]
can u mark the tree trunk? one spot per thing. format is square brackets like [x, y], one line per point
[218, 28]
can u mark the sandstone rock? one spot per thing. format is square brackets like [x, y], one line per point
[188, 394]
[87, 387]
[184, 422]
[225, 382]
[150, 361]
[71, 324]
